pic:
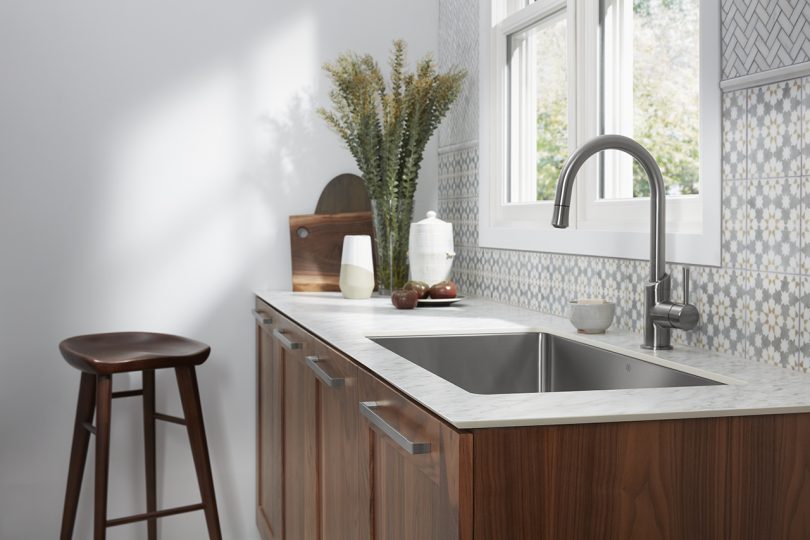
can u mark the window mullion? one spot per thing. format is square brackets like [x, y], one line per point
[617, 86]
[584, 94]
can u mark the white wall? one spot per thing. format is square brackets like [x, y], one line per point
[150, 153]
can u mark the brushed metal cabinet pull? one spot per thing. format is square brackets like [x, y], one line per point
[367, 410]
[314, 364]
[262, 319]
[286, 342]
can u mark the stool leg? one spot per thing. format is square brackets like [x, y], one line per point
[103, 409]
[149, 448]
[192, 409]
[78, 452]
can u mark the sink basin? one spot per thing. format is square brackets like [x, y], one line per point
[531, 363]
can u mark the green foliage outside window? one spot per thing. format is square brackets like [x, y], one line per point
[665, 117]
[666, 79]
[552, 148]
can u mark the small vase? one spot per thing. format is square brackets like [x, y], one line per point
[356, 267]
[391, 227]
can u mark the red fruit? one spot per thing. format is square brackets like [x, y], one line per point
[443, 290]
[420, 287]
[404, 298]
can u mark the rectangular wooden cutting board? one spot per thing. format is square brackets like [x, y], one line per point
[316, 242]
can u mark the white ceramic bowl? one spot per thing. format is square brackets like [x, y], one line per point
[591, 318]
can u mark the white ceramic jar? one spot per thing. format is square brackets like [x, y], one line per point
[430, 249]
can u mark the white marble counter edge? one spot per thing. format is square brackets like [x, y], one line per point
[773, 390]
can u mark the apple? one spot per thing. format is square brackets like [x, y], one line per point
[404, 298]
[420, 287]
[443, 290]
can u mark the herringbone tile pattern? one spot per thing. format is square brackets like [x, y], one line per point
[458, 47]
[759, 35]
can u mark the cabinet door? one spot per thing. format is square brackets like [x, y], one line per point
[269, 425]
[300, 438]
[419, 469]
[343, 490]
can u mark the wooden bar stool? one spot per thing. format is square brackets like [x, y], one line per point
[99, 356]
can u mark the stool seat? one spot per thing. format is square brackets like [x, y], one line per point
[120, 352]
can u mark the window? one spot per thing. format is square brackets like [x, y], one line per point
[556, 73]
[538, 107]
[650, 53]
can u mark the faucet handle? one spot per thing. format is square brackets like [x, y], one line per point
[683, 316]
[686, 284]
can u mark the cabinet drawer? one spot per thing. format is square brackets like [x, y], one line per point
[265, 316]
[404, 426]
[333, 369]
[289, 335]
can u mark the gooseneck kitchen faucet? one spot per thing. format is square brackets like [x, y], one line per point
[661, 315]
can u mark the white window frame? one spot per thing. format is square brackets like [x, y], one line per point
[693, 223]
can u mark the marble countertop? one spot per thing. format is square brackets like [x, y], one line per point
[751, 387]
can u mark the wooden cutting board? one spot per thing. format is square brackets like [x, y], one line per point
[344, 193]
[316, 241]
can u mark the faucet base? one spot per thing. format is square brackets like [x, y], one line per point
[658, 348]
[656, 338]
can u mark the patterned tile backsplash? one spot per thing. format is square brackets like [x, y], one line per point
[756, 305]
[774, 130]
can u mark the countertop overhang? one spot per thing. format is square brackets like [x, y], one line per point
[751, 388]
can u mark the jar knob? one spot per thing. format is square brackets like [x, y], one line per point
[431, 214]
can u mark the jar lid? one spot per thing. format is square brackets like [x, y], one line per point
[431, 219]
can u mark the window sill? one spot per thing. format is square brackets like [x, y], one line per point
[685, 248]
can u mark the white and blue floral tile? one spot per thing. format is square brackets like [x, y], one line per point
[773, 225]
[774, 326]
[804, 232]
[774, 130]
[803, 359]
[805, 126]
[723, 297]
[735, 224]
[735, 149]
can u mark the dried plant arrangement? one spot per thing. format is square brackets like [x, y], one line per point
[386, 126]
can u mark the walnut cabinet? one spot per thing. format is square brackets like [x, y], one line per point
[343, 455]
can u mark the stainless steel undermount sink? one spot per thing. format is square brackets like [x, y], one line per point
[531, 363]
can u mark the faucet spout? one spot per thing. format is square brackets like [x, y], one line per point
[661, 315]
[565, 185]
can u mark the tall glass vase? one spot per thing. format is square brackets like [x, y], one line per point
[391, 229]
